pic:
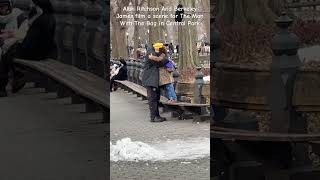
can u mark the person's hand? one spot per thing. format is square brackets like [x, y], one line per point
[151, 56]
[155, 58]
[6, 34]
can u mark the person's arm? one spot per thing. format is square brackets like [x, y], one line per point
[159, 61]
[170, 70]
[156, 58]
[13, 37]
[163, 62]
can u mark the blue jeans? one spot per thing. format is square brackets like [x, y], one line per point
[170, 92]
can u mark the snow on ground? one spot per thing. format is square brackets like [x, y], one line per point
[206, 78]
[309, 53]
[127, 150]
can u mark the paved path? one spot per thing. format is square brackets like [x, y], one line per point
[130, 118]
[45, 138]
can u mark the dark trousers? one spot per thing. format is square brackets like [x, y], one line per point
[153, 94]
[116, 77]
[6, 65]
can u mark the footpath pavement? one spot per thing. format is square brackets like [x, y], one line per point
[45, 138]
[130, 119]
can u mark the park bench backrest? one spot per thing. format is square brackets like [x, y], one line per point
[67, 36]
[78, 23]
[95, 41]
[81, 35]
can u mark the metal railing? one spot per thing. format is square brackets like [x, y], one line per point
[135, 73]
[81, 33]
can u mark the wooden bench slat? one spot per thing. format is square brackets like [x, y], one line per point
[142, 90]
[79, 81]
[257, 136]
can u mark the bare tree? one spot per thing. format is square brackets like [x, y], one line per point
[119, 44]
[187, 35]
[155, 32]
[206, 8]
[136, 27]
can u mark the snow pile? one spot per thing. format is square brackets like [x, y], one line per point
[206, 78]
[194, 148]
[127, 150]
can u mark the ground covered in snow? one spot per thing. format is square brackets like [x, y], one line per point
[176, 149]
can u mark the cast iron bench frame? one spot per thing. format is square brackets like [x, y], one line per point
[197, 110]
[91, 88]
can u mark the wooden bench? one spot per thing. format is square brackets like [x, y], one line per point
[199, 111]
[91, 88]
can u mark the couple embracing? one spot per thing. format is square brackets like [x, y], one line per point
[157, 74]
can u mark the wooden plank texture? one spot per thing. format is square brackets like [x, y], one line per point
[81, 82]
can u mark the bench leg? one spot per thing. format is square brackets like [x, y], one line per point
[92, 107]
[29, 76]
[75, 99]
[197, 118]
[50, 86]
[165, 110]
[178, 115]
[40, 82]
[63, 92]
[106, 116]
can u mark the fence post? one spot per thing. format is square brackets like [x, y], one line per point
[78, 21]
[67, 34]
[133, 69]
[216, 43]
[219, 113]
[94, 30]
[60, 9]
[140, 72]
[136, 73]
[284, 67]
[198, 97]
[176, 76]
[130, 69]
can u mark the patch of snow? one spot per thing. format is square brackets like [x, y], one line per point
[190, 149]
[185, 162]
[127, 150]
[206, 78]
[309, 53]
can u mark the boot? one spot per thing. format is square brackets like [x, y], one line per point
[18, 82]
[156, 119]
[3, 84]
[163, 118]
[3, 92]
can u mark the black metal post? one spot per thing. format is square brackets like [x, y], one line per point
[284, 68]
[198, 98]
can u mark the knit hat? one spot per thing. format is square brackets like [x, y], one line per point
[158, 45]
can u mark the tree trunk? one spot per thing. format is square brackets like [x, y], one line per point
[187, 35]
[206, 7]
[119, 39]
[136, 32]
[155, 33]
